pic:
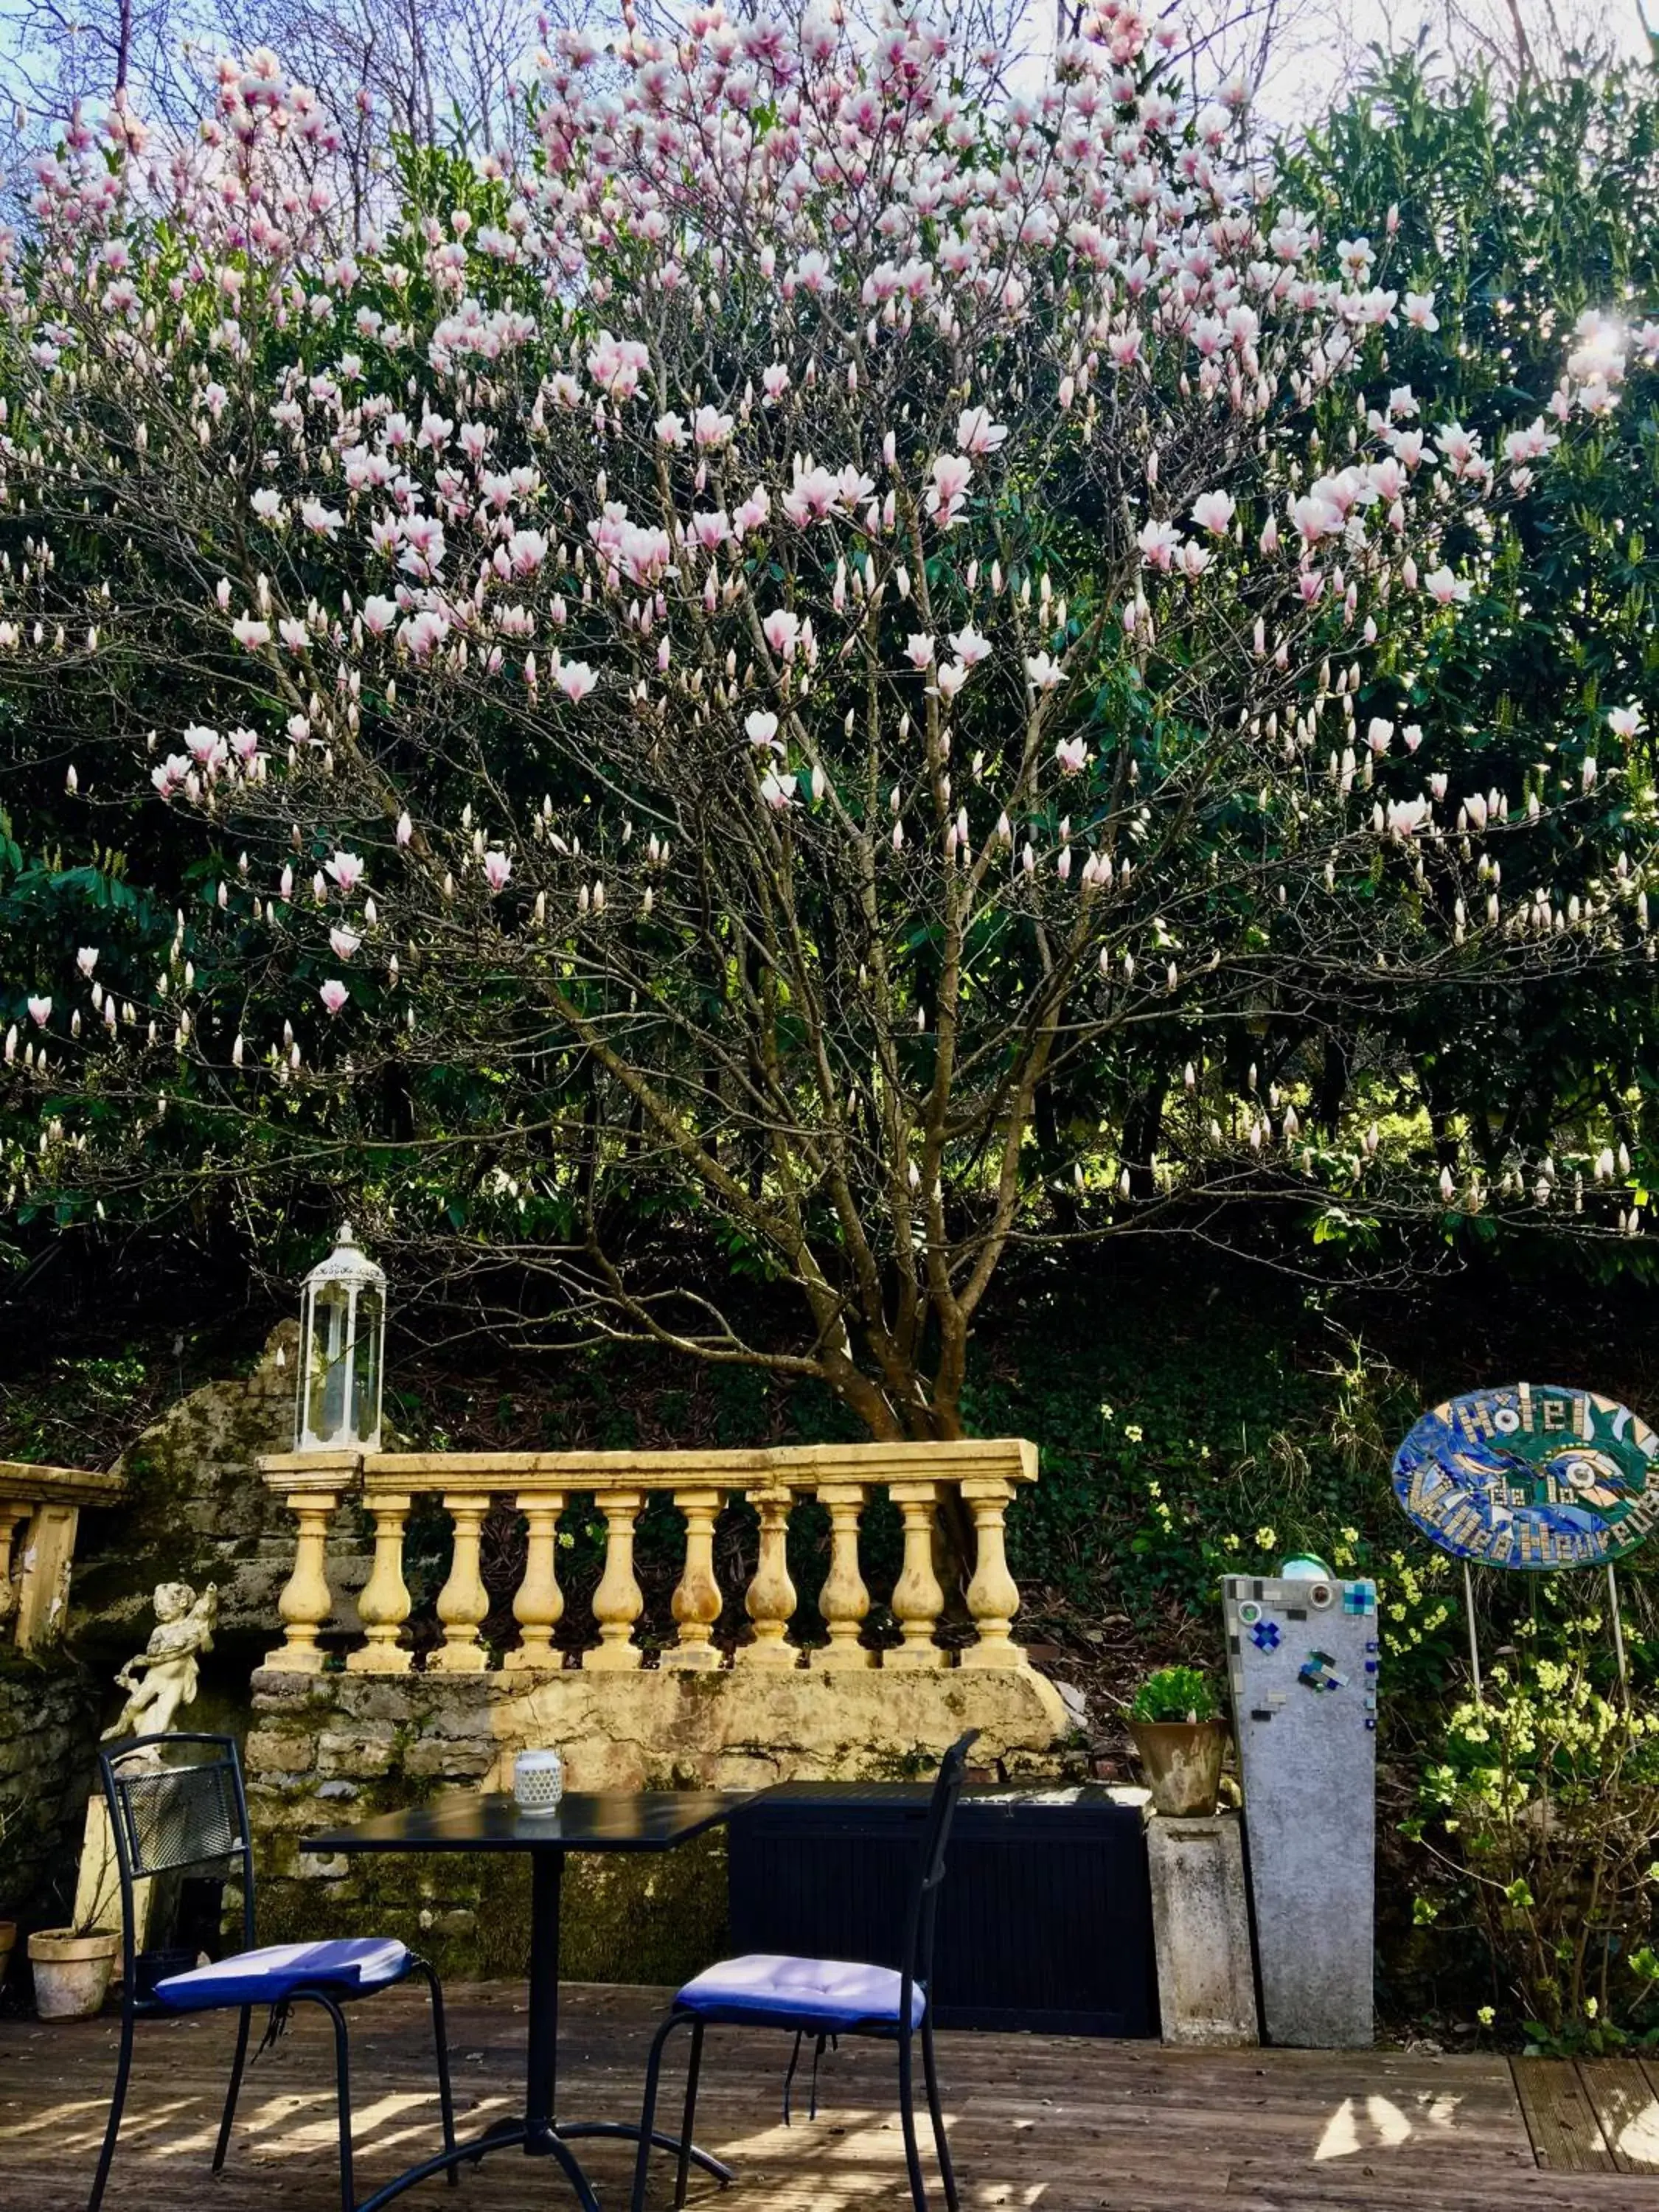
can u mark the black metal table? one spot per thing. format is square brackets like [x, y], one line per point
[644, 1820]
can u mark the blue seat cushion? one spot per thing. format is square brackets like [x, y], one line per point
[770, 1988]
[350, 1967]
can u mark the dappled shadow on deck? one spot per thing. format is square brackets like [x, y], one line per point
[1060, 2125]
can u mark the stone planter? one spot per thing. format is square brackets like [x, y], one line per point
[71, 1971]
[1181, 1760]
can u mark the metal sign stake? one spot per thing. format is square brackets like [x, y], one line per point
[1474, 1645]
[1618, 1631]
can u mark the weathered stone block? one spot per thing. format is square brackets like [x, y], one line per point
[1201, 1931]
[276, 1750]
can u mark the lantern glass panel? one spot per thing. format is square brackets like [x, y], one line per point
[366, 1360]
[329, 1374]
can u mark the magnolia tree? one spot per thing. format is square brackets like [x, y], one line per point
[815, 677]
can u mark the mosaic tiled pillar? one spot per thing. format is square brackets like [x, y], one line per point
[1302, 1658]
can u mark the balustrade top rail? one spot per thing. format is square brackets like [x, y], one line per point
[22, 1483]
[44, 1502]
[981, 1472]
[788, 1467]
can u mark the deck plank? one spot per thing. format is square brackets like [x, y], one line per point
[1567, 2134]
[1623, 2099]
[1038, 2125]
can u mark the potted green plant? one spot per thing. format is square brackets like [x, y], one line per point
[1181, 1737]
[72, 1966]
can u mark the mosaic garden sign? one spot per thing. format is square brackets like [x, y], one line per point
[1531, 1475]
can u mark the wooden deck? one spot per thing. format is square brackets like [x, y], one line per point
[1061, 2125]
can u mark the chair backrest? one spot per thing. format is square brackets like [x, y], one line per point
[916, 1959]
[175, 1802]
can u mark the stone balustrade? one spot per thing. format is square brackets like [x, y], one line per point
[843, 1479]
[40, 1514]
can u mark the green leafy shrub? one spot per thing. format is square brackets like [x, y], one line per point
[1175, 1694]
[1543, 1805]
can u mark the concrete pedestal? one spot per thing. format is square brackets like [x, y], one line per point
[1201, 1931]
[1303, 1657]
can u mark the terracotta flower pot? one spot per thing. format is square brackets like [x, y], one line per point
[71, 1971]
[1182, 1764]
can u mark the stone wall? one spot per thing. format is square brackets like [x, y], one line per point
[328, 1749]
[48, 1729]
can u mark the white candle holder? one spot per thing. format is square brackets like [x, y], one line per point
[539, 1783]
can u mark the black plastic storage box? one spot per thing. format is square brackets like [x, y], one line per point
[1045, 1919]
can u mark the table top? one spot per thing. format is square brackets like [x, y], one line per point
[610, 1820]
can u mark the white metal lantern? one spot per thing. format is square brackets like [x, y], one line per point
[342, 1341]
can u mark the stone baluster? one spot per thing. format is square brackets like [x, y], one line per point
[993, 1595]
[844, 1601]
[538, 1606]
[697, 1595]
[918, 1600]
[10, 1516]
[383, 1603]
[618, 1601]
[463, 1601]
[770, 1604]
[307, 1601]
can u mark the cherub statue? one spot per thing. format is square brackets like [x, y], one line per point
[163, 1676]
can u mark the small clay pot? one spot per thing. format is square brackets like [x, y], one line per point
[1182, 1764]
[71, 1971]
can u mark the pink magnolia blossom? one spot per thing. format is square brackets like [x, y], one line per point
[1073, 755]
[1043, 671]
[498, 868]
[977, 434]
[1213, 511]
[40, 1011]
[87, 959]
[814, 496]
[952, 473]
[347, 871]
[782, 630]
[575, 680]
[918, 649]
[333, 994]
[1626, 722]
[344, 942]
[1445, 589]
[1159, 542]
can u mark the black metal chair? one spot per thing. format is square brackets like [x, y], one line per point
[827, 1997]
[176, 1802]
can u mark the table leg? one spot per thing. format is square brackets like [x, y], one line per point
[541, 2090]
[542, 2065]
